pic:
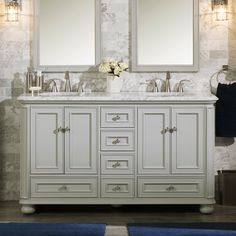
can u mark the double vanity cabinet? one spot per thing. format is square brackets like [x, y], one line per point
[117, 149]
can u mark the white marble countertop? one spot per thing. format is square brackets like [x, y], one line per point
[117, 97]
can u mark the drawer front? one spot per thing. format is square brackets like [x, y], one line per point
[117, 163]
[117, 187]
[122, 140]
[64, 187]
[118, 117]
[152, 187]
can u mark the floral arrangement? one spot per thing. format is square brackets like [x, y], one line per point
[113, 67]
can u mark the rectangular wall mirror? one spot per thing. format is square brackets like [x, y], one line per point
[165, 35]
[66, 35]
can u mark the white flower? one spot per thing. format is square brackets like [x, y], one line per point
[105, 68]
[112, 67]
[117, 71]
[123, 66]
[113, 64]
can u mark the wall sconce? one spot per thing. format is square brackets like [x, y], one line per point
[13, 8]
[220, 7]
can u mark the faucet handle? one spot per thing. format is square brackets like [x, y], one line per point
[154, 84]
[81, 87]
[180, 87]
[53, 88]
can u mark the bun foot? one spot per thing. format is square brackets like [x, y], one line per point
[206, 209]
[28, 209]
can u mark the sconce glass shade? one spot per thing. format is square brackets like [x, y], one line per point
[220, 8]
[12, 10]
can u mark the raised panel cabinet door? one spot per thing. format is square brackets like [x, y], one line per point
[153, 140]
[47, 142]
[81, 143]
[188, 140]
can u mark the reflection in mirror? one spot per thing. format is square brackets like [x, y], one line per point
[165, 35]
[67, 34]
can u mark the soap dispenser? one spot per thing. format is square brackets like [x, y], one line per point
[67, 83]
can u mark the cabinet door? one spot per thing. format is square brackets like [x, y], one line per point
[47, 144]
[188, 140]
[153, 143]
[81, 145]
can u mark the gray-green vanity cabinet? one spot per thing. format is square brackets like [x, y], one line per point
[121, 153]
[63, 140]
[171, 153]
[171, 140]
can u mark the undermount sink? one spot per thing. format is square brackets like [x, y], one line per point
[60, 94]
[166, 94]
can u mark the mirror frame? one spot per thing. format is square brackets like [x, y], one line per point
[135, 67]
[63, 68]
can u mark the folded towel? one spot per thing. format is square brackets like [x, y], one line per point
[226, 110]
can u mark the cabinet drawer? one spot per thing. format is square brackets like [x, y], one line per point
[117, 163]
[117, 187]
[64, 187]
[152, 187]
[117, 117]
[117, 140]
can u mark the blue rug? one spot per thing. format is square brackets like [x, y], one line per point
[38, 229]
[179, 229]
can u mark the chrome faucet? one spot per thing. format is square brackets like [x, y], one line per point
[167, 82]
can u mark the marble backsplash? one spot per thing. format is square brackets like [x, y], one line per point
[16, 56]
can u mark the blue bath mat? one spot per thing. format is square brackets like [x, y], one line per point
[38, 229]
[190, 229]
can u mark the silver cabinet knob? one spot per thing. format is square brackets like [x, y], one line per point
[56, 131]
[67, 129]
[117, 164]
[173, 130]
[63, 188]
[116, 118]
[170, 188]
[117, 188]
[164, 131]
[116, 141]
[64, 130]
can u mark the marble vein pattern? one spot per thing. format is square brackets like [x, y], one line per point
[216, 46]
[123, 96]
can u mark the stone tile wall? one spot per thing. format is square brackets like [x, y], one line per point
[225, 147]
[15, 57]
[232, 35]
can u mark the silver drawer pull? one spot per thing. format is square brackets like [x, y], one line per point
[173, 130]
[63, 188]
[171, 188]
[56, 131]
[116, 141]
[117, 164]
[116, 118]
[117, 188]
[164, 131]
